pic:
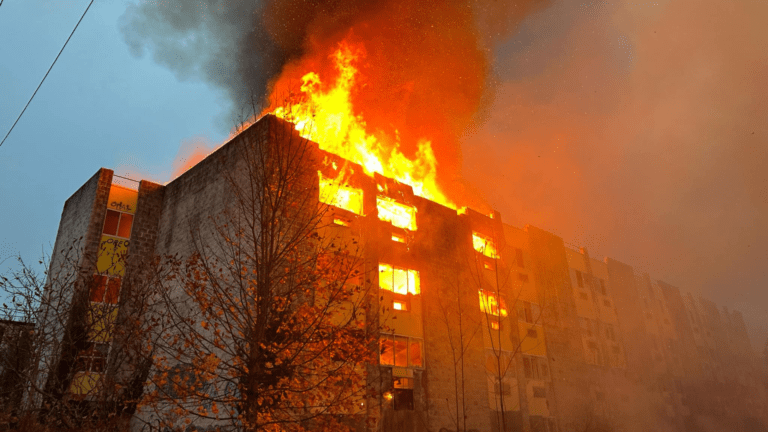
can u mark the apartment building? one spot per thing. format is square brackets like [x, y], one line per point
[484, 326]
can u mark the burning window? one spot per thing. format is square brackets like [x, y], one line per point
[399, 215]
[490, 304]
[402, 304]
[399, 280]
[341, 196]
[402, 351]
[484, 245]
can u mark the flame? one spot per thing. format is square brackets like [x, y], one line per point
[333, 193]
[399, 215]
[491, 305]
[399, 280]
[484, 245]
[325, 115]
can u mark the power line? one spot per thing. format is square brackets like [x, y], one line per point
[46, 74]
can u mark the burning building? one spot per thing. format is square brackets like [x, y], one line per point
[484, 326]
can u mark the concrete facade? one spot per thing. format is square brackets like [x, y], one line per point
[561, 341]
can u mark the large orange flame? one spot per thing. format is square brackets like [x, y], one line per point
[325, 114]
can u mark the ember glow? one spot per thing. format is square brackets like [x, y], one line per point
[324, 113]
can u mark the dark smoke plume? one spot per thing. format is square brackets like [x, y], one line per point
[427, 63]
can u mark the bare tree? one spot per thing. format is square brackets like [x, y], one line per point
[67, 366]
[461, 330]
[501, 297]
[264, 327]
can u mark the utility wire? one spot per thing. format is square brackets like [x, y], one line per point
[46, 74]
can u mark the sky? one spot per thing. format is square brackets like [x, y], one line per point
[636, 129]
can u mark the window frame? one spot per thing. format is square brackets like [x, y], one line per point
[408, 345]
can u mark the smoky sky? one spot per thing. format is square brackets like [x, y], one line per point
[639, 130]
[636, 129]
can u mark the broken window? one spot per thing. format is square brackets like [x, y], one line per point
[340, 196]
[485, 245]
[399, 215]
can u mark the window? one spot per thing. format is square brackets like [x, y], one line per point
[609, 333]
[502, 388]
[399, 215]
[104, 289]
[395, 350]
[586, 326]
[602, 287]
[484, 245]
[522, 277]
[92, 359]
[528, 312]
[532, 333]
[539, 392]
[495, 324]
[579, 279]
[607, 303]
[118, 224]
[398, 238]
[399, 280]
[401, 303]
[552, 425]
[583, 296]
[402, 383]
[535, 368]
[403, 393]
[340, 196]
[341, 221]
[492, 305]
[519, 258]
[403, 399]
[592, 345]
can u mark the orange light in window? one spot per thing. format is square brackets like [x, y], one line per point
[110, 222]
[484, 245]
[398, 306]
[388, 396]
[398, 238]
[495, 325]
[490, 304]
[399, 280]
[399, 215]
[341, 222]
[126, 221]
[341, 196]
